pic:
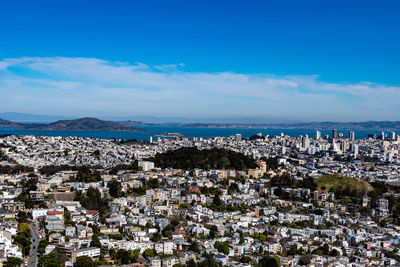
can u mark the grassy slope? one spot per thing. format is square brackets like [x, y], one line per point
[335, 181]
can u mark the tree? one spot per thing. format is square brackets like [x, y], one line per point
[268, 261]
[194, 247]
[93, 200]
[191, 263]
[189, 158]
[42, 246]
[123, 256]
[241, 241]
[245, 259]
[95, 241]
[53, 259]
[114, 188]
[67, 214]
[209, 261]
[29, 184]
[149, 253]
[156, 237]
[22, 238]
[85, 174]
[13, 262]
[305, 259]
[334, 253]
[84, 261]
[25, 228]
[222, 247]
[213, 231]
[22, 216]
[135, 255]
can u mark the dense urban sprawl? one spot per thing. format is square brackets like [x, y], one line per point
[178, 201]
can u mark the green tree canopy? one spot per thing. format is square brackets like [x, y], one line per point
[114, 188]
[84, 261]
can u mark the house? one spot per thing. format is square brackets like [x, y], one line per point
[170, 261]
[92, 215]
[91, 252]
[36, 196]
[37, 213]
[155, 262]
[70, 231]
[57, 213]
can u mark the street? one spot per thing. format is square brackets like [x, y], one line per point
[32, 262]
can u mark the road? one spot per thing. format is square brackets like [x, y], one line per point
[32, 262]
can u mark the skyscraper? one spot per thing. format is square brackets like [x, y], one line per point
[355, 149]
[238, 137]
[334, 133]
[351, 136]
[393, 136]
[317, 135]
[305, 142]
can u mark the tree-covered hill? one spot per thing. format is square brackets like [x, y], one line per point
[190, 157]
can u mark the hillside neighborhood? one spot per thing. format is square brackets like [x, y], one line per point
[178, 201]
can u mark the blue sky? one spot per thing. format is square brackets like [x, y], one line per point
[301, 60]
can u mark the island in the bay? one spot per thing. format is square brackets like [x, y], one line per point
[82, 124]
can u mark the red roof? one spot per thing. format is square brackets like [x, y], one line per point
[91, 212]
[54, 212]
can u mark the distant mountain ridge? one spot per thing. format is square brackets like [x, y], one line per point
[370, 125]
[32, 118]
[40, 122]
[82, 124]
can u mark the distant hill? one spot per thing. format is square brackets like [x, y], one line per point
[5, 123]
[346, 186]
[32, 118]
[188, 158]
[83, 124]
[365, 126]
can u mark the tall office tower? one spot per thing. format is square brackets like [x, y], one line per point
[334, 133]
[238, 137]
[151, 139]
[354, 148]
[344, 145]
[351, 136]
[305, 142]
[393, 136]
[382, 135]
[317, 135]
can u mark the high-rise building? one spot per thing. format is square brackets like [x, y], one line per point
[393, 136]
[344, 145]
[354, 148]
[317, 135]
[305, 142]
[382, 135]
[238, 137]
[151, 139]
[351, 136]
[334, 133]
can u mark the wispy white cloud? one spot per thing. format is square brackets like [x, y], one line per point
[91, 86]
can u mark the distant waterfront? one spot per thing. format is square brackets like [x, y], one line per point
[186, 131]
